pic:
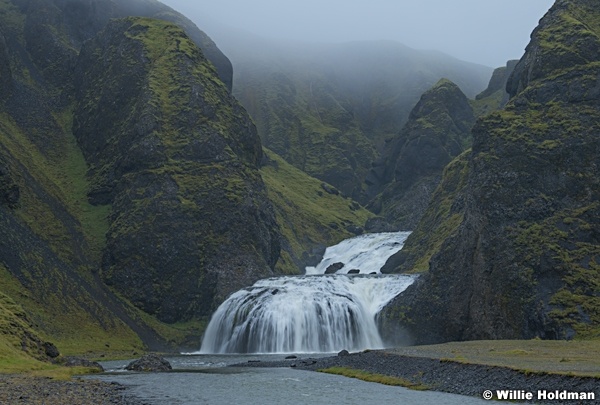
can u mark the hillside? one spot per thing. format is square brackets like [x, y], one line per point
[131, 182]
[518, 254]
[438, 130]
[311, 214]
[328, 109]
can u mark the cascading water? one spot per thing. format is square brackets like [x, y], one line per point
[367, 253]
[315, 312]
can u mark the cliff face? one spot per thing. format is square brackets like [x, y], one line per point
[438, 130]
[177, 158]
[125, 158]
[495, 96]
[523, 261]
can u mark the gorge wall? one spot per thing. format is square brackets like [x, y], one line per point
[511, 236]
[123, 159]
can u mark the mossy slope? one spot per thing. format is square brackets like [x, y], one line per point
[177, 158]
[52, 238]
[438, 130]
[524, 261]
[311, 214]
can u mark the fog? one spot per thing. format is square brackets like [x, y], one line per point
[488, 32]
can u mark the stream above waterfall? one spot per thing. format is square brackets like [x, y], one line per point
[314, 313]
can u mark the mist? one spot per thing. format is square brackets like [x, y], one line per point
[486, 32]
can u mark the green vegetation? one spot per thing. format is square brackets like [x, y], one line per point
[373, 377]
[313, 131]
[580, 358]
[307, 214]
[440, 221]
[484, 106]
[564, 240]
[438, 130]
[58, 236]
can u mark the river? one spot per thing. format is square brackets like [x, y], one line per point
[206, 379]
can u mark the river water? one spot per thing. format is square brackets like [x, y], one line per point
[206, 379]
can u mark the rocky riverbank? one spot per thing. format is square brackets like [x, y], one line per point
[449, 376]
[21, 390]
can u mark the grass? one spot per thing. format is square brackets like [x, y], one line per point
[306, 213]
[439, 221]
[373, 377]
[578, 358]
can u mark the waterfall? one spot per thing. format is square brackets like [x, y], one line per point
[314, 312]
[367, 253]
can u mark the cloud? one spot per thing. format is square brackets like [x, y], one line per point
[488, 32]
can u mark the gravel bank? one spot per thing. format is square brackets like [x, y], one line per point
[449, 376]
[18, 389]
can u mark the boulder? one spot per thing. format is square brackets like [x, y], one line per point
[334, 268]
[80, 362]
[150, 362]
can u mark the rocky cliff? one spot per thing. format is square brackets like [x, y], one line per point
[177, 159]
[520, 259]
[438, 130]
[124, 159]
[495, 96]
[126, 162]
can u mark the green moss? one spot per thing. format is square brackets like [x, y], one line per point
[374, 377]
[562, 239]
[440, 220]
[487, 105]
[171, 51]
[307, 215]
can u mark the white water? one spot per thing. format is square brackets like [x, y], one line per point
[367, 253]
[312, 313]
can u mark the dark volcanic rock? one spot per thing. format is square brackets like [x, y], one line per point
[5, 71]
[150, 363]
[498, 82]
[51, 350]
[438, 130]
[82, 20]
[190, 222]
[334, 268]
[80, 362]
[520, 257]
[51, 238]
[9, 190]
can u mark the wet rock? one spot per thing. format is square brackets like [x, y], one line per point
[344, 353]
[354, 271]
[150, 362]
[80, 362]
[334, 268]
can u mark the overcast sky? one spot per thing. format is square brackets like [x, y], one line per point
[488, 32]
